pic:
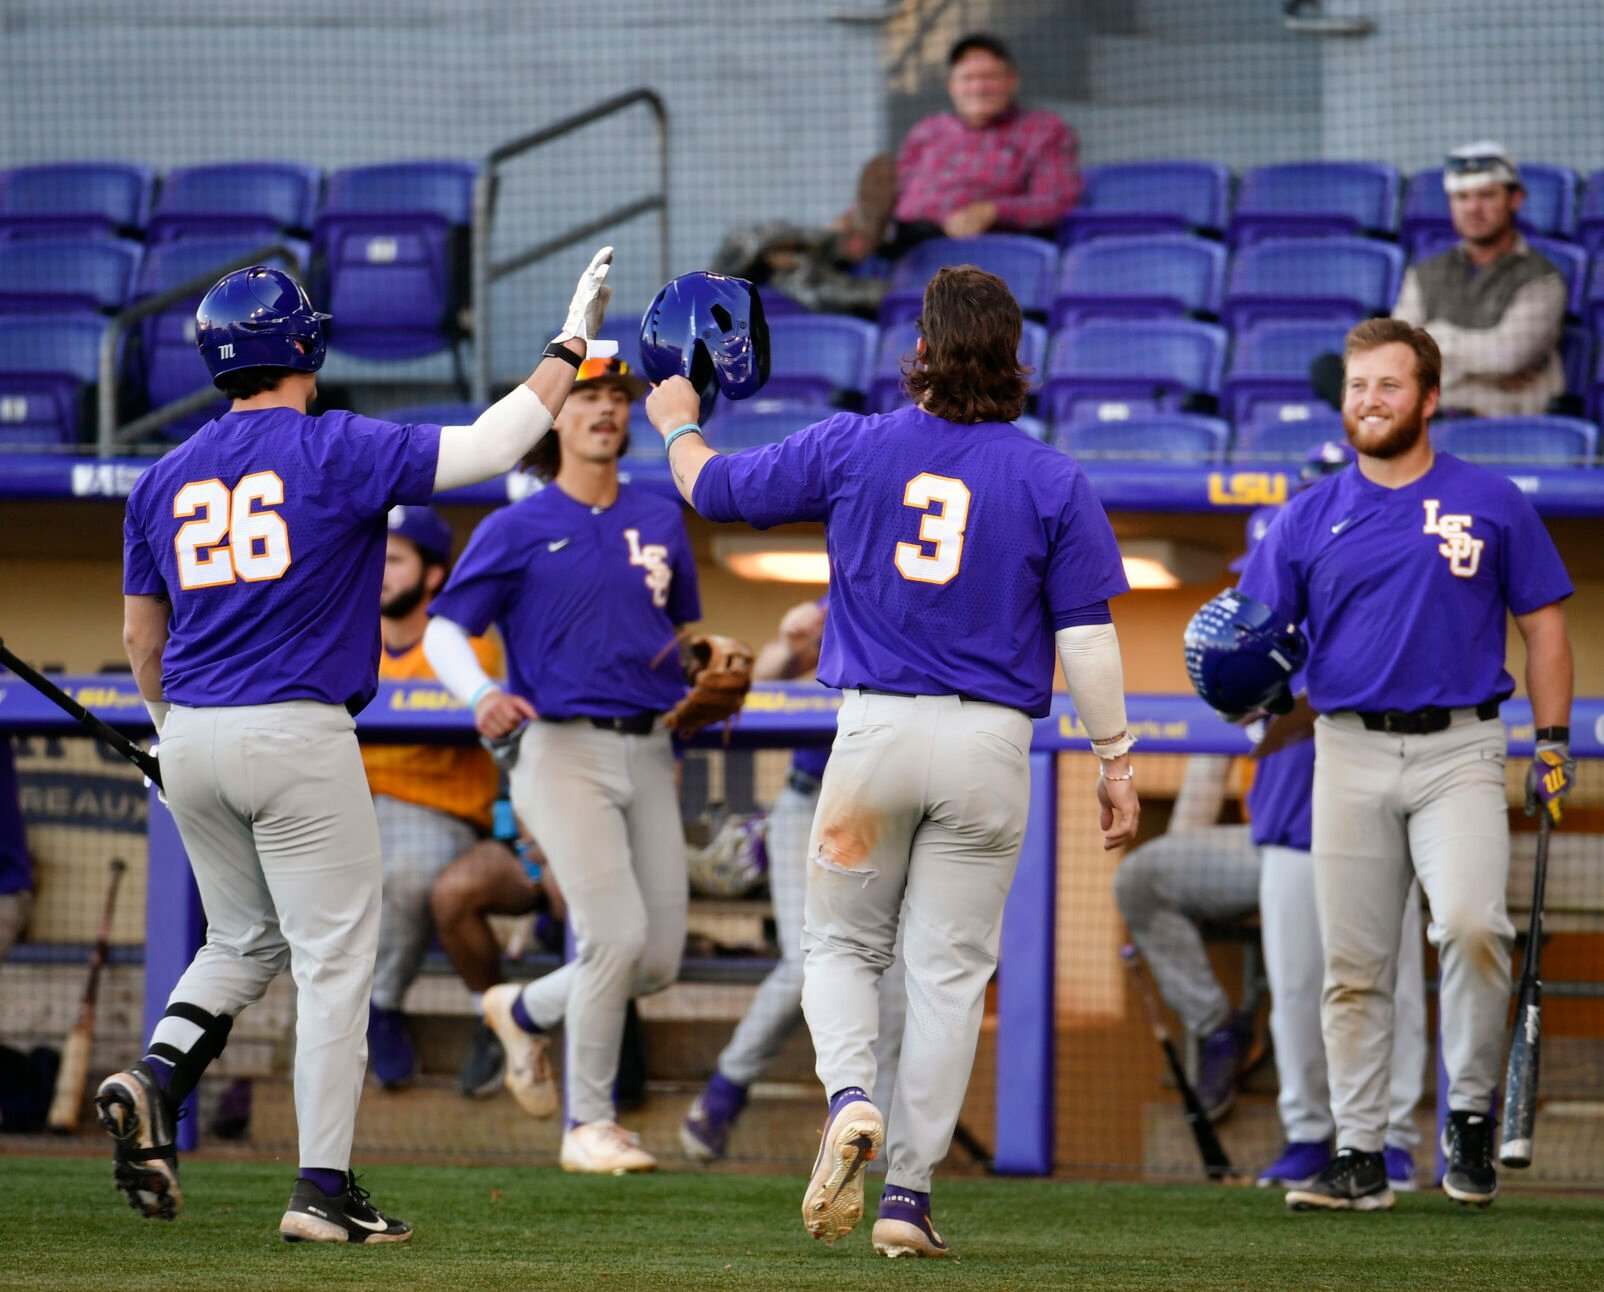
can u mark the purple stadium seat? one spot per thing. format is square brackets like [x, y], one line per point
[1302, 199]
[1282, 440]
[391, 247]
[819, 358]
[1270, 363]
[1145, 277]
[47, 363]
[1576, 354]
[1549, 208]
[1527, 441]
[742, 425]
[1149, 197]
[885, 385]
[259, 199]
[1590, 224]
[62, 274]
[1571, 261]
[1117, 369]
[776, 304]
[1026, 264]
[1331, 278]
[63, 198]
[1176, 437]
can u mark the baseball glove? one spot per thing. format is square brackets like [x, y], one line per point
[719, 670]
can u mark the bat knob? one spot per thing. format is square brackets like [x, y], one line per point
[1516, 1154]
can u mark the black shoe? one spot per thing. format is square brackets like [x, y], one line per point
[1467, 1143]
[1352, 1181]
[134, 1110]
[348, 1217]
[485, 1065]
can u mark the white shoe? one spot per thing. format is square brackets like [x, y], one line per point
[833, 1204]
[529, 1074]
[604, 1148]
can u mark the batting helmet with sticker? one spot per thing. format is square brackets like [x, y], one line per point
[259, 318]
[708, 328]
[425, 529]
[1241, 655]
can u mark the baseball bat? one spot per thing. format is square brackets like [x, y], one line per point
[74, 1070]
[1215, 1162]
[100, 730]
[1520, 1078]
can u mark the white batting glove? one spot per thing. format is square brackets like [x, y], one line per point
[589, 305]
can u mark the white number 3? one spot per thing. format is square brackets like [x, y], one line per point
[260, 547]
[944, 528]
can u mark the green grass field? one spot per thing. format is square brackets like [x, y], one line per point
[62, 1225]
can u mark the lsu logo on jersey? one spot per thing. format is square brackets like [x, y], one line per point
[654, 557]
[1462, 550]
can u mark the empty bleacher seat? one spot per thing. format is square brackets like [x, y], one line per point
[61, 274]
[257, 199]
[47, 364]
[820, 358]
[1526, 441]
[1149, 197]
[1300, 199]
[1549, 208]
[1270, 362]
[59, 198]
[741, 425]
[1593, 296]
[1116, 369]
[1334, 278]
[1026, 264]
[885, 385]
[1590, 222]
[1179, 437]
[1267, 438]
[1571, 261]
[391, 246]
[1152, 275]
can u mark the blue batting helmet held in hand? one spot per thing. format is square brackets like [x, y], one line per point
[1241, 655]
[259, 318]
[708, 328]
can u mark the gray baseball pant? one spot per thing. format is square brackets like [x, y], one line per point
[776, 1008]
[920, 822]
[1388, 809]
[417, 843]
[273, 807]
[605, 810]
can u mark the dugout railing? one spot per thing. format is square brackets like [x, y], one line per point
[1072, 1081]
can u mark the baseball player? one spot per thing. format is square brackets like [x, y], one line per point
[1402, 572]
[588, 580]
[253, 558]
[960, 550]
[776, 1007]
[432, 801]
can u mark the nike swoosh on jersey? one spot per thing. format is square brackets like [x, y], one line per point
[557, 545]
[1341, 525]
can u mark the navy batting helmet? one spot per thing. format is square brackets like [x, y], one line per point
[1241, 655]
[1325, 460]
[710, 329]
[258, 318]
[425, 529]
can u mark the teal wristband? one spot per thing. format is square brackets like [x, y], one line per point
[678, 431]
[484, 690]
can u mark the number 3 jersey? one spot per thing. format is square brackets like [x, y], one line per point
[955, 551]
[587, 600]
[267, 531]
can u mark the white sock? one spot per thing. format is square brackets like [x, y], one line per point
[477, 1000]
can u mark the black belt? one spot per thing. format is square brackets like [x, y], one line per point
[964, 696]
[1420, 722]
[633, 724]
[804, 782]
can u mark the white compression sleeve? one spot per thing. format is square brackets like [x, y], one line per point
[1095, 675]
[504, 432]
[450, 655]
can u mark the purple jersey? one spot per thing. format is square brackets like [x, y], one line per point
[1280, 801]
[587, 600]
[267, 532]
[1403, 592]
[955, 551]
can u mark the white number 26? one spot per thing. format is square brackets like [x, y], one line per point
[259, 541]
[943, 528]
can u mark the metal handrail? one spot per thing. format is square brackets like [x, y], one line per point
[111, 434]
[487, 271]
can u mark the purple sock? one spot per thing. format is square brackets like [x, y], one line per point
[160, 1069]
[520, 1016]
[722, 1098]
[846, 1095]
[331, 1182]
[897, 1197]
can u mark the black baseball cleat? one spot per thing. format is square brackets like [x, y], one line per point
[347, 1217]
[1467, 1143]
[133, 1108]
[1351, 1181]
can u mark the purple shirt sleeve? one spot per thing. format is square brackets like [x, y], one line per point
[1271, 574]
[1084, 616]
[379, 464]
[141, 577]
[1533, 575]
[1085, 566]
[769, 485]
[477, 590]
[684, 595]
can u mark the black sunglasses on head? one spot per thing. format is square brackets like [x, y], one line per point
[1474, 165]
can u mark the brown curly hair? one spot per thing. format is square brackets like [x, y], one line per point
[971, 370]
